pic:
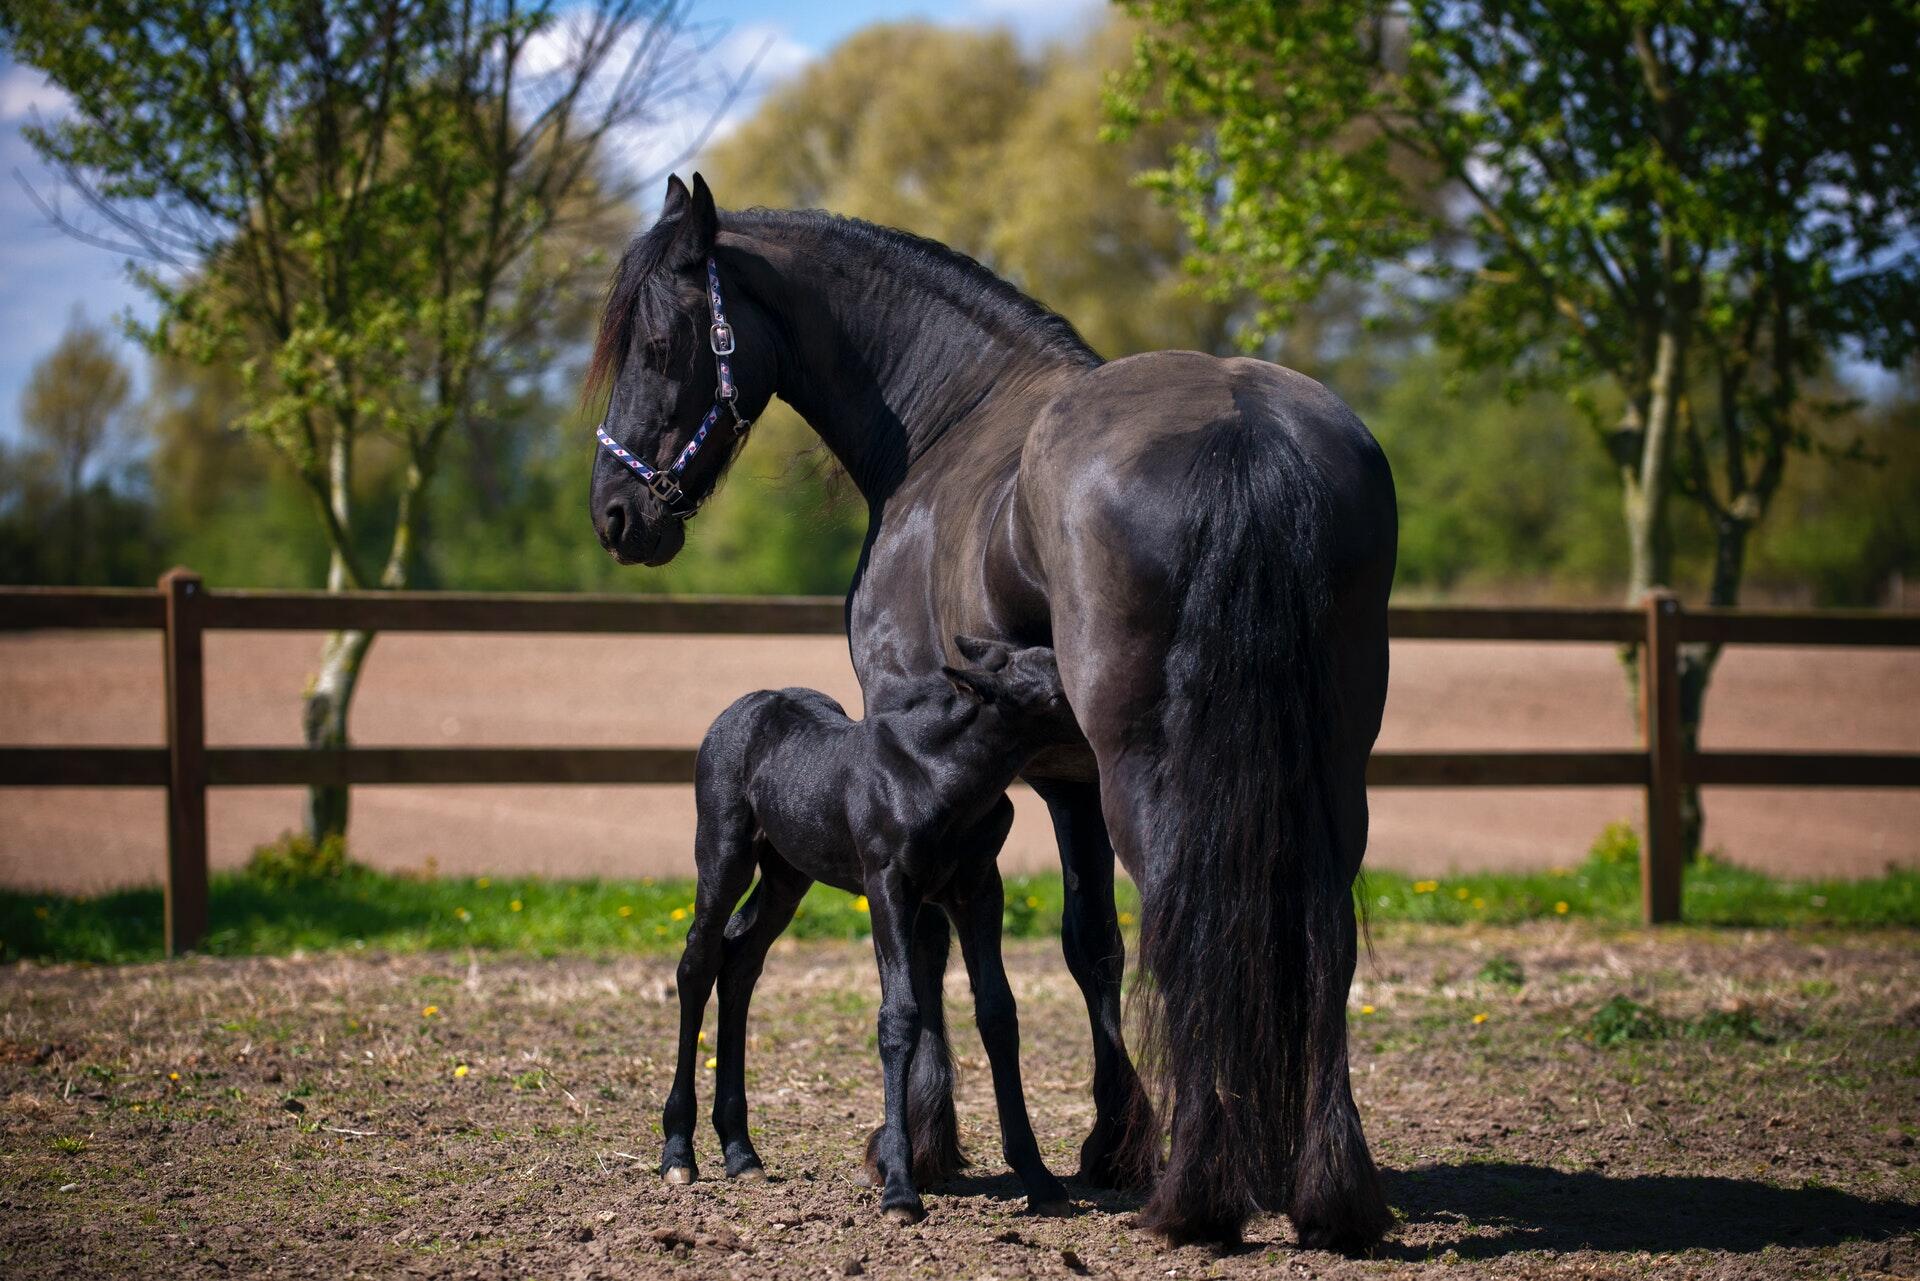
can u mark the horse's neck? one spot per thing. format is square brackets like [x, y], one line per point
[885, 357]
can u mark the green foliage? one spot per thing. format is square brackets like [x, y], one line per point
[296, 861]
[1691, 205]
[960, 136]
[1624, 1019]
[1502, 970]
[274, 909]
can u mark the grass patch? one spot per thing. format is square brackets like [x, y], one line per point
[301, 900]
[1623, 1019]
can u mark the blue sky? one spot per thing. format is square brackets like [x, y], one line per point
[45, 274]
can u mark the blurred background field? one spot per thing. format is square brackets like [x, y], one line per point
[992, 128]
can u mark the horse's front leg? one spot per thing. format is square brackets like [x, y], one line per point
[1123, 1149]
[977, 909]
[895, 909]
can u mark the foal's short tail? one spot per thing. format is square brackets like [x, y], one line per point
[1248, 922]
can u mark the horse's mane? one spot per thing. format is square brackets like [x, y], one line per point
[641, 297]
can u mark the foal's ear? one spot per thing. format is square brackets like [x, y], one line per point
[981, 652]
[977, 686]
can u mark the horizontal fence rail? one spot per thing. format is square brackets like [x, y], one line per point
[182, 610]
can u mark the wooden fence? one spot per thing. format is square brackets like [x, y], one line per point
[183, 609]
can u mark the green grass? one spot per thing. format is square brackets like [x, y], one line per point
[277, 908]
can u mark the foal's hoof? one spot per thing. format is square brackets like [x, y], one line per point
[1059, 1209]
[905, 1215]
[750, 1174]
[677, 1175]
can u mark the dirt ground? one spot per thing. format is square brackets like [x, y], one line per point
[480, 1117]
[101, 689]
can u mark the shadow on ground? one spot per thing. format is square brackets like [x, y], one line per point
[1533, 1207]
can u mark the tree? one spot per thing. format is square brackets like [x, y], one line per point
[960, 136]
[71, 407]
[365, 195]
[1690, 205]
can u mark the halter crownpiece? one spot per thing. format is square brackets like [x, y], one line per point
[665, 485]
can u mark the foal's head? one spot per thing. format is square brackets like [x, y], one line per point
[659, 357]
[1020, 686]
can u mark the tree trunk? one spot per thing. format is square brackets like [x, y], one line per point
[328, 699]
[330, 694]
[1697, 663]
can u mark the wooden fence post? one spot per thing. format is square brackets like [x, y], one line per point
[186, 894]
[1663, 859]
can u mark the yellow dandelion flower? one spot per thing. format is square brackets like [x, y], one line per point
[1032, 901]
[515, 906]
[712, 1064]
[463, 914]
[860, 903]
[460, 1071]
[1126, 918]
[1461, 893]
[1480, 1018]
[1561, 907]
[679, 913]
[1366, 1009]
[485, 883]
[1479, 904]
[173, 1076]
[1425, 887]
[428, 1011]
[626, 910]
[702, 1038]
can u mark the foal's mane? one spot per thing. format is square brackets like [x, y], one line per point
[642, 297]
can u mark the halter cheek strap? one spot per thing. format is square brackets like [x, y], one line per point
[665, 484]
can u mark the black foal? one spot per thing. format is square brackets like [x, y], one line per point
[908, 807]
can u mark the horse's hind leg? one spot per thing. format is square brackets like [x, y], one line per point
[723, 852]
[1336, 1201]
[750, 933]
[1123, 1149]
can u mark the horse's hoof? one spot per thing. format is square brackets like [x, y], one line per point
[677, 1175]
[752, 1174]
[905, 1215]
[1052, 1208]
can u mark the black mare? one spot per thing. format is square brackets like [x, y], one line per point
[1207, 545]
[910, 806]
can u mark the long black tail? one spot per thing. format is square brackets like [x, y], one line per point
[1248, 923]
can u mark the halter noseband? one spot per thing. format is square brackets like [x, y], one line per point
[665, 485]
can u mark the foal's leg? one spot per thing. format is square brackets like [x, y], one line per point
[977, 912]
[895, 910]
[750, 933]
[723, 851]
[1123, 1148]
[932, 1127]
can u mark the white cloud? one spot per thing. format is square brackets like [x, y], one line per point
[24, 91]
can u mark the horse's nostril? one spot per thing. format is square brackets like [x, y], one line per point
[616, 524]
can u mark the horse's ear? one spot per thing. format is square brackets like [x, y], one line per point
[981, 652]
[701, 223]
[675, 205]
[978, 686]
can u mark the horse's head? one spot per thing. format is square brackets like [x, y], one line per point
[1021, 683]
[677, 401]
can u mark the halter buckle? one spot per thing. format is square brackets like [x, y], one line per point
[666, 489]
[720, 336]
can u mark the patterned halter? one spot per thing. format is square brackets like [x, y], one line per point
[665, 485]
